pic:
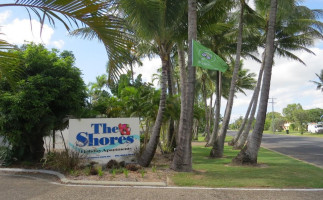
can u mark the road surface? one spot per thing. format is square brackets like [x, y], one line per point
[309, 149]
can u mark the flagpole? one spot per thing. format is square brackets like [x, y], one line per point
[220, 83]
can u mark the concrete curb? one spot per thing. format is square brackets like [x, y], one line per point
[64, 180]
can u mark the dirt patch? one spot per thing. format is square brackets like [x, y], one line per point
[158, 171]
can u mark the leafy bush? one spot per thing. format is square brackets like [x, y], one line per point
[49, 89]
[6, 156]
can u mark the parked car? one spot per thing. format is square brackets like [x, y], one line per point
[315, 128]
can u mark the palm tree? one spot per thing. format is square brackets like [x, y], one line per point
[296, 29]
[221, 37]
[319, 83]
[241, 137]
[217, 150]
[155, 21]
[245, 81]
[250, 152]
[204, 83]
[182, 160]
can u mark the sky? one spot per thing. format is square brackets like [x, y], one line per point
[290, 79]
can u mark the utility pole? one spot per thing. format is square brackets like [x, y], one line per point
[273, 116]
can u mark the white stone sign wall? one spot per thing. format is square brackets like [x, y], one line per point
[104, 139]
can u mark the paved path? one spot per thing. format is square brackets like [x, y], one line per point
[24, 187]
[309, 149]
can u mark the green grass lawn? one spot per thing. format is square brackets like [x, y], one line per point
[275, 171]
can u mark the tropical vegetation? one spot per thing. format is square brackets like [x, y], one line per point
[188, 100]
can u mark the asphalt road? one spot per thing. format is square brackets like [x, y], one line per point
[309, 149]
[22, 187]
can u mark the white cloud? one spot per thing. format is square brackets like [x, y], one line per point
[58, 44]
[290, 81]
[4, 16]
[150, 67]
[21, 31]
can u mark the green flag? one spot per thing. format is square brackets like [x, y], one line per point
[207, 59]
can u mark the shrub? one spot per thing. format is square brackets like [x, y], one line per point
[133, 167]
[65, 161]
[112, 164]
[6, 156]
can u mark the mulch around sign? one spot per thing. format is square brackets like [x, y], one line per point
[158, 171]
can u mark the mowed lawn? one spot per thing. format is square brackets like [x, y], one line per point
[274, 171]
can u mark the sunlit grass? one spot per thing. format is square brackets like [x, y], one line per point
[275, 171]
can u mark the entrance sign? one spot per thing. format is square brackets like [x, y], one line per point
[104, 139]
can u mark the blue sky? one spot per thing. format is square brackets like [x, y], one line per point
[290, 80]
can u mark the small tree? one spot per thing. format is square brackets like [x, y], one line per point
[50, 89]
[295, 113]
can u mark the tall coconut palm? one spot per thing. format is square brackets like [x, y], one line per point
[183, 155]
[222, 39]
[250, 152]
[205, 85]
[155, 21]
[297, 28]
[241, 137]
[217, 150]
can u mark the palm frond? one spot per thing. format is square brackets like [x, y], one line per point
[114, 70]
[9, 63]
[93, 14]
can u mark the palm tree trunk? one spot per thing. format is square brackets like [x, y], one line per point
[195, 129]
[183, 79]
[171, 144]
[151, 147]
[243, 137]
[207, 128]
[217, 150]
[244, 122]
[218, 86]
[243, 132]
[183, 155]
[249, 154]
[210, 114]
[182, 69]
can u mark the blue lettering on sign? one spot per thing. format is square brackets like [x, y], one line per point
[104, 128]
[89, 139]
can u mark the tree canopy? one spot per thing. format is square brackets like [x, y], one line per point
[50, 89]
